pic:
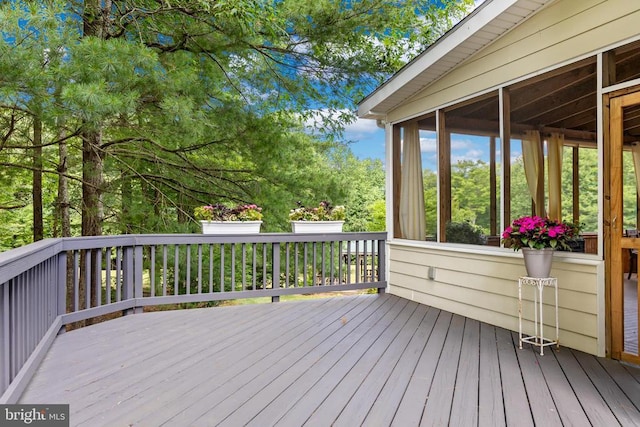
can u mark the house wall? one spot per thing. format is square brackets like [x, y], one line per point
[564, 31]
[483, 284]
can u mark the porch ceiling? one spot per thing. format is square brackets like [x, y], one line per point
[563, 100]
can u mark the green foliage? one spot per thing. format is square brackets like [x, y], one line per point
[464, 232]
[221, 212]
[191, 101]
[323, 212]
[378, 214]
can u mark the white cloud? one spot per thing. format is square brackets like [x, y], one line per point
[428, 145]
[362, 127]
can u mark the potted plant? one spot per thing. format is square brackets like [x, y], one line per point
[538, 238]
[223, 219]
[324, 218]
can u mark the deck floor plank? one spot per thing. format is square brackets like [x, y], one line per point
[283, 393]
[208, 348]
[414, 399]
[373, 360]
[437, 411]
[368, 391]
[594, 406]
[215, 379]
[629, 384]
[346, 390]
[464, 408]
[381, 412]
[566, 402]
[304, 408]
[311, 358]
[626, 413]
[490, 403]
[543, 407]
[516, 402]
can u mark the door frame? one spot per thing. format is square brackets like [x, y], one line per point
[616, 240]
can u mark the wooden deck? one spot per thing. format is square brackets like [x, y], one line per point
[373, 360]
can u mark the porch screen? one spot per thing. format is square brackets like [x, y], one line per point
[412, 214]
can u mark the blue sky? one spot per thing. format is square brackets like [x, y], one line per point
[368, 142]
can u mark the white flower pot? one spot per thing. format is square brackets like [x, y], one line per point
[231, 227]
[317, 226]
[538, 261]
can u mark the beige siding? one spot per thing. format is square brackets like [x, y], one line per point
[566, 30]
[485, 287]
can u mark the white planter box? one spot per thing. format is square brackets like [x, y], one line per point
[317, 226]
[231, 227]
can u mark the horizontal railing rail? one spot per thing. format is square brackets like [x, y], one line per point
[49, 284]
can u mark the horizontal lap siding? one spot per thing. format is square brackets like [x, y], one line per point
[485, 287]
[564, 30]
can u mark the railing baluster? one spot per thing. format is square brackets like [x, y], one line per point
[188, 272]
[152, 269]
[97, 274]
[304, 265]
[76, 281]
[275, 264]
[314, 265]
[222, 284]
[119, 273]
[233, 267]
[164, 270]
[211, 269]
[264, 266]
[127, 275]
[295, 260]
[243, 252]
[176, 269]
[107, 275]
[254, 265]
[332, 263]
[199, 269]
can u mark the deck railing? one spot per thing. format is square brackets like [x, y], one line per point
[49, 284]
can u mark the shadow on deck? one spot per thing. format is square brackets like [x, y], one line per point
[357, 360]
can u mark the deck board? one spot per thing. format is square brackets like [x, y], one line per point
[543, 407]
[438, 408]
[373, 360]
[490, 403]
[464, 408]
[516, 403]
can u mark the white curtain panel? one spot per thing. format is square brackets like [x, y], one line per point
[635, 151]
[412, 214]
[531, 154]
[555, 144]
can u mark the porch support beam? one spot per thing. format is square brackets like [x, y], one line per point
[505, 139]
[444, 175]
[396, 179]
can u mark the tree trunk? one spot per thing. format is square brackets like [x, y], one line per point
[62, 204]
[126, 201]
[38, 228]
[92, 162]
[95, 21]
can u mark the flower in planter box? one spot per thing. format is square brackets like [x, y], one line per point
[324, 212]
[538, 233]
[221, 212]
